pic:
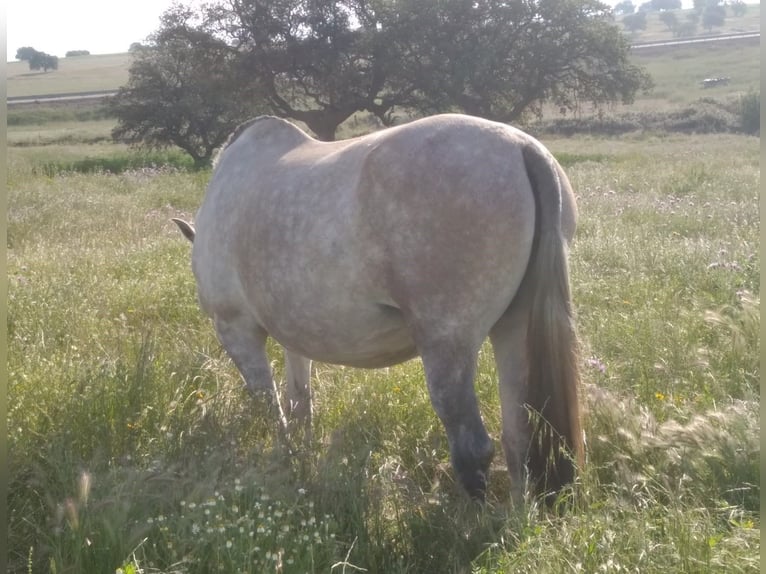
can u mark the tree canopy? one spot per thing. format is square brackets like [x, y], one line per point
[738, 7]
[624, 7]
[37, 60]
[635, 22]
[25, 53]
[669, 19]
[662, 5]
[321, 61]
[182, 90]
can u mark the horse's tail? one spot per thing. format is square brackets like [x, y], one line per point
[186, 228]
[557, 446]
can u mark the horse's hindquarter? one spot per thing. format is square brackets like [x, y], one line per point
[450, 205]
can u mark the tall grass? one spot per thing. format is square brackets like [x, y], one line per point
[42, 114]
[133, 446]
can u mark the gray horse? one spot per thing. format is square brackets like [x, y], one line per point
[421, 239]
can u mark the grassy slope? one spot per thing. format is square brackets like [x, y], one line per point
[79, 74]
[678, 72]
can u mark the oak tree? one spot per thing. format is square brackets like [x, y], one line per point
[182, 91]
[321, 61]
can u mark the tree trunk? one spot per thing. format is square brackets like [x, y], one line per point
[324, 131]
[324, 123]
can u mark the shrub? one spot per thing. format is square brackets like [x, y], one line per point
[117, 163]
[700, 118]
[750, 113]
[25, 116]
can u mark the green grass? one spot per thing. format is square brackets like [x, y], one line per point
[127, 421]
[678, 72]
[70, 112]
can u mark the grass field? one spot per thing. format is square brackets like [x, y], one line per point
[132, 444]
[678, 73]
[77, 74]
[134, 449]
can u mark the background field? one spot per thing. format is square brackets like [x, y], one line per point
[76, 74]
[678, 73]
[133, 445]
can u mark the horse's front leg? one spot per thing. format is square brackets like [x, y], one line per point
[450, 367]
[298, 394]
[245, 342]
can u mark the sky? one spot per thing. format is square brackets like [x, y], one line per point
[99, 26]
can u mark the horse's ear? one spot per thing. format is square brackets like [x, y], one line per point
[186, 228]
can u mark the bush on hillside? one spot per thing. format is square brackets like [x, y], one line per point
[750, 113]
[701, 118]
[705, 116]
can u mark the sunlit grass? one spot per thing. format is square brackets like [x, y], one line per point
[127, 420]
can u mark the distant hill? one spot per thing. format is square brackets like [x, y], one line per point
[75, 74]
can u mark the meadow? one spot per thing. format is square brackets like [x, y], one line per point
[133, 447]
[75, 74]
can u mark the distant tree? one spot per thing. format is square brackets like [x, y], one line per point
[738, 8]
[135, 47]
[701, 5]
[685, 29]
[43, 61]
[76, 53]
[646, 7]
[26, 53]
[624, 7]
[635, 22]
[713, 16]
[182, 90]
[666, 4]
[669, 19]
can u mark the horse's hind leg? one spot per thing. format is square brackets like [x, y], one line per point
[298, 391]
[449, 370]
[508, 338]
[245, 342]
